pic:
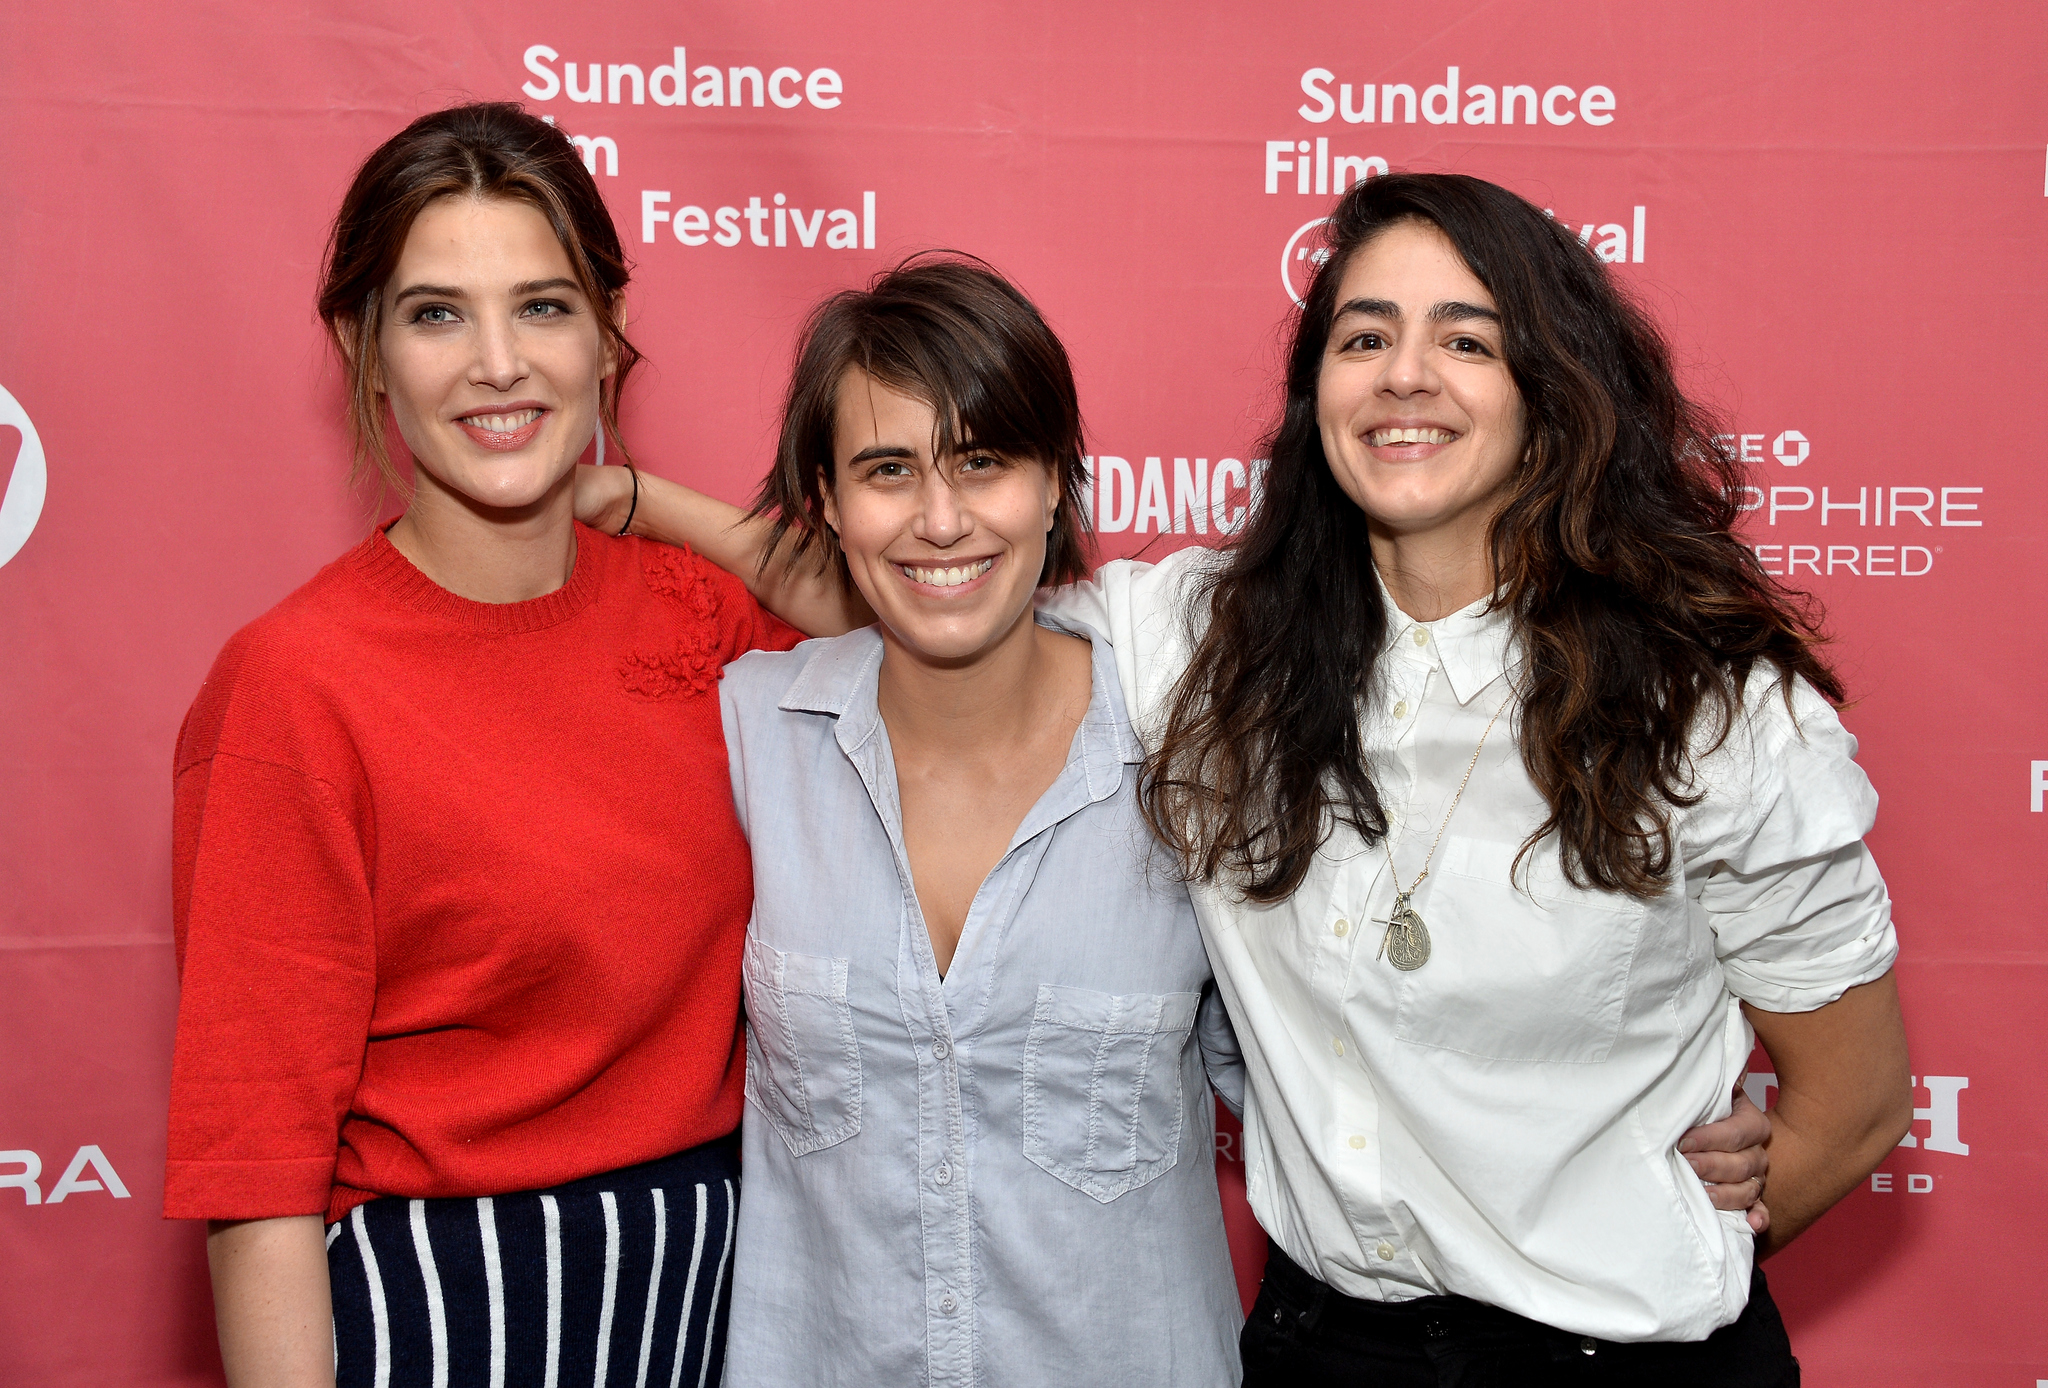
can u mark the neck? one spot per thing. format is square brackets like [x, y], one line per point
[1431, 574]
[485, 553]
[970, 705]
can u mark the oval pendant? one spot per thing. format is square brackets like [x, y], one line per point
[1407, 940]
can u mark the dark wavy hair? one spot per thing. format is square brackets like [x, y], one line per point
[945, 328]
[484, 149]
[1637, 610]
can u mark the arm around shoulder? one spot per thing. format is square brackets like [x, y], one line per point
[808, 596]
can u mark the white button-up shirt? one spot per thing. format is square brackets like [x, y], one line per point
[1501, 1123]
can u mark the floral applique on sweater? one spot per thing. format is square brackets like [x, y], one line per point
[691, 665]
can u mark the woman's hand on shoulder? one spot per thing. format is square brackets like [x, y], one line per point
[603, 496]
[1731, 1160]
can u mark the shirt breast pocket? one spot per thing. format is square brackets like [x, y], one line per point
[1535, 972]
[1103, 1102]
[803, 1060]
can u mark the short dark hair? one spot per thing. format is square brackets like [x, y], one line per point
[949, 330]
[484, 149]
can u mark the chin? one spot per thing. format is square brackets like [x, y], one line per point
[512, 493]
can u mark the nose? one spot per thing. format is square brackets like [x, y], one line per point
[941, 520]
[499, 363]
[1410, 369]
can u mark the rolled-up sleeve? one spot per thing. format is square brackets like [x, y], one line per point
[1798, 908]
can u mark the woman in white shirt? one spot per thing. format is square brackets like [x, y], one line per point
[1512, 798]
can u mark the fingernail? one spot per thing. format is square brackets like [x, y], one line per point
[1685, 1144]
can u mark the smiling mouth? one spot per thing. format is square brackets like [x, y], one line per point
[503, 432]
[1384, 438]
[949, 577]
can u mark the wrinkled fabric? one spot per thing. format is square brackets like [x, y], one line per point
[1500, 1123]
[1005, 1176]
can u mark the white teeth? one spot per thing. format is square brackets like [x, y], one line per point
[947, 577]
[504, 423]
[1380, 438]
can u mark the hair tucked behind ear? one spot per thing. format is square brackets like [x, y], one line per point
[1638, 611]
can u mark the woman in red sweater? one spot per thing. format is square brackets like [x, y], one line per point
[438, 941]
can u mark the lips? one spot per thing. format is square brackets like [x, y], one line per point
[504, 431]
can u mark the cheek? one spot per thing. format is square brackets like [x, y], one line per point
[866, 524]
[576, 369]
[1330, 403]
[406, 376]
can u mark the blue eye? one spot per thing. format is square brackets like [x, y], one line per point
[435, 313]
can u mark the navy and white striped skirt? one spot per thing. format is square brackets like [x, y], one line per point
[620, 1280]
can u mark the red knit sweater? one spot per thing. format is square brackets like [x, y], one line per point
[459, 892]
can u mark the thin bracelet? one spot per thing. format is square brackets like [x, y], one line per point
[636, 503]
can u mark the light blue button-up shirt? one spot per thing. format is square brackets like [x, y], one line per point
[1005, 1176]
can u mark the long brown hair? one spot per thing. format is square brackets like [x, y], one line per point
[948, 329]
[1636, 608]
[485, 149]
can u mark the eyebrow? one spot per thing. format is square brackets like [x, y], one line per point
[449, 291]
[1448, 311]
[436, 291]
[882, 450]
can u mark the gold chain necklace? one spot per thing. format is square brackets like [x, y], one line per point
[1406, 943]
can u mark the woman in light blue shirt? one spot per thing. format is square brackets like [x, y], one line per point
[980, 1144]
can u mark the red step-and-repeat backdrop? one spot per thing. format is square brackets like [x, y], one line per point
[1838, 210]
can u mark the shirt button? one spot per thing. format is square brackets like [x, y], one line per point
[944, 1175]
[1386, 1252]
[1358, 1141]
[1342, 928]
[1589, 1345]
[1337, 1044]
[939, 1049]
[1421, 637]
[947, 1304]
[1401, 709]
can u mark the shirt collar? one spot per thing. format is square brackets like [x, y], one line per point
[1473, 644]
[843, 678]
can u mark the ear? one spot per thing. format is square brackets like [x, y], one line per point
[611, 346]
[350, 338]
[1052, 498]
[829, 498]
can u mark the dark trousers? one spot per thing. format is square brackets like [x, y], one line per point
[621, 1279]
[1304, 1334]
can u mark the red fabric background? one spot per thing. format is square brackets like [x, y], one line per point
[1843, 217]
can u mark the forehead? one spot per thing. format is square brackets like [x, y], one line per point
[869, 412]
[1412, 266]
[484, 236]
